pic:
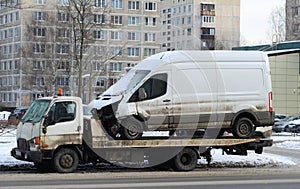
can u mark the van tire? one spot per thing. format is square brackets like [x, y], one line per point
[185, 160]
[243, 128]
[66, 160]
[132, 129]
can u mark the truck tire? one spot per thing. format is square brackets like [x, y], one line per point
[243, 128]
[132, 129]
[66, 160]
[185, 160]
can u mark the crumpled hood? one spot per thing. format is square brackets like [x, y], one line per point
[103, 101]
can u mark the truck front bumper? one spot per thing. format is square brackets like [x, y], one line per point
[24, 155]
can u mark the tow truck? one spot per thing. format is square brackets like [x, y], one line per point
[57, 134]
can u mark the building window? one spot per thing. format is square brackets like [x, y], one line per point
[62, 81]
[149, 21]
[133, 51]
[40, 2]
[117, 20]
[116, 35]
[63, 17]
[62, 48]
[17, 16]
[117, 4]
[208, 19]
[63, 65]
[295, 11]
[133, 20]
[133, 36]
[39, 48]
[100, 3]
[296, 28]
[99, 34]
[100, 50]
[133, 5]
[36, 96]
[17, 32]
[97, 66]
[39, 16]
[11, 33]
[63, 2]
[150, 37]
[149, 51]
[100, 82]
[116, 67]
[40, 81]
[116, 51]
[39, 32]
[99, 18]
[208, 31]
[150, 6]
[63, 32]
[39, 64]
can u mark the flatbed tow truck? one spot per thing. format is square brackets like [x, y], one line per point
[60, 141]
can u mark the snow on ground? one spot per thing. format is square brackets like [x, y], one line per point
[8, 141]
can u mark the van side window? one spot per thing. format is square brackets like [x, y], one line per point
[154, 87]
[62, 112]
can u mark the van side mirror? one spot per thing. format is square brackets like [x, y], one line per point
[142, 94]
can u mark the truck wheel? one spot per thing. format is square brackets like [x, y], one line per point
[65, 160]
[185, 160]
[243, 128]
[132, 129]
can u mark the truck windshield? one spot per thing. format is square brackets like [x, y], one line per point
[35, 111]
[126, 83]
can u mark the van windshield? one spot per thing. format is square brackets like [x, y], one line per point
[35, 111]
[126, 83]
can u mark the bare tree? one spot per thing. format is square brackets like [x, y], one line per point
[277, 23]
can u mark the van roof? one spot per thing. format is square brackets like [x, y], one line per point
[179, 56]
[200, 56]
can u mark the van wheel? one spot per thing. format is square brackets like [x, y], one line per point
[132, 129]
[66, 160]
[243, 128]
[185, 160]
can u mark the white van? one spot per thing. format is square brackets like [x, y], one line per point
[190, 90]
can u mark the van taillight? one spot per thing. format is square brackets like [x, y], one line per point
[270, 98]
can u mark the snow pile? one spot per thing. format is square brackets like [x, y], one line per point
[8, 141]
[251, 160]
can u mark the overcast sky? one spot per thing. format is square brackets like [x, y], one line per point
[255, 16]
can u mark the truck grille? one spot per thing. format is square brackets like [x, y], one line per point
[22, 144]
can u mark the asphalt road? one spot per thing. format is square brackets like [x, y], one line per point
[208, 178]
[239, 178]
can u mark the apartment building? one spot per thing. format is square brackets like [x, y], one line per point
[292, 20]
[200, 24]
[37, 46]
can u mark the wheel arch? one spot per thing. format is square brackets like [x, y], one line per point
[245, 113]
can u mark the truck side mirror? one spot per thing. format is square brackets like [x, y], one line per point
[142, 94]
[48, 119]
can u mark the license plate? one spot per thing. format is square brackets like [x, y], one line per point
[18, 153]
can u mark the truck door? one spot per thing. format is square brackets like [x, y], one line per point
[61, 123]
[156, 106]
